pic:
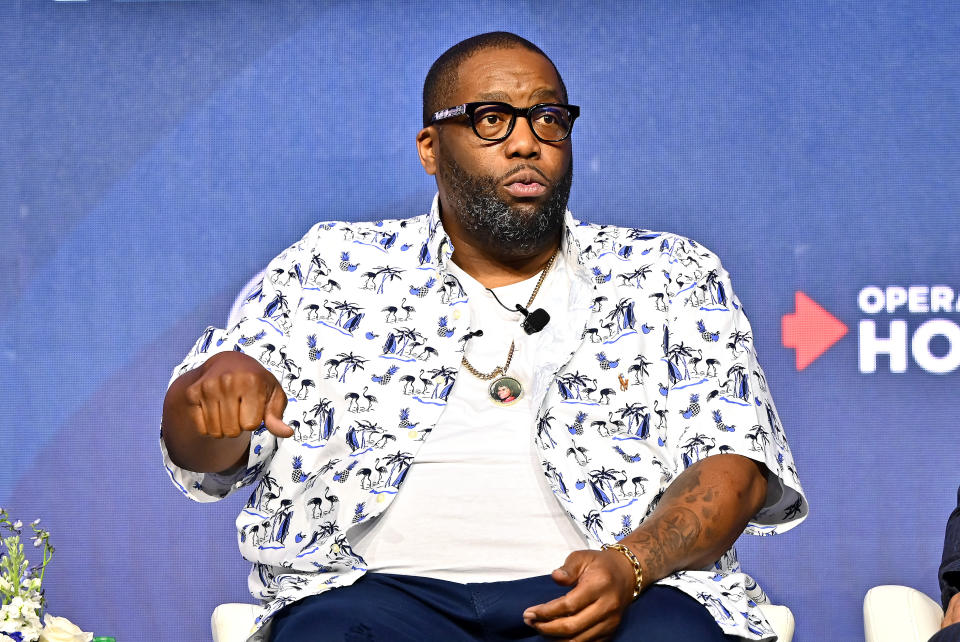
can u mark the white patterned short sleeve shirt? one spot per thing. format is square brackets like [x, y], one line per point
[362, 324]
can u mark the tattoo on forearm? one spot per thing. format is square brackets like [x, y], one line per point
[650, 554]
[686, 485]
[673, 536]
[700, 516]
[678, 531]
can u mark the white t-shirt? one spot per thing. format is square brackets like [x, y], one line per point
[475, 505]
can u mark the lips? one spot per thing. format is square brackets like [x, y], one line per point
[525, 184]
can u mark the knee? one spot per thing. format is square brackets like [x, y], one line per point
[333, 612]
[665, 613]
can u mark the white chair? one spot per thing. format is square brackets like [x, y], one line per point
[233, 622]
[899, 614]
[781, 619]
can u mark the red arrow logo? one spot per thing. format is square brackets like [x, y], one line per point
[810, 330]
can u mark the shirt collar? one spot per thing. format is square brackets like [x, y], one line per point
[442, 247]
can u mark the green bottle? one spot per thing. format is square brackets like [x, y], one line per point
[104, 639]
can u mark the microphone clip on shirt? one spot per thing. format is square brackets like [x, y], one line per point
[532, 322]
[537, 320]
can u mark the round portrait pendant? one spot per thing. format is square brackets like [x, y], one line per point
[505, 391]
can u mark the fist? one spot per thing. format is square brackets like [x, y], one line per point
[234, 393]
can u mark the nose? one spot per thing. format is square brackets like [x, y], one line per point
[521, 142]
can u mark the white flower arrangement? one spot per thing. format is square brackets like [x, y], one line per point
[22, 602]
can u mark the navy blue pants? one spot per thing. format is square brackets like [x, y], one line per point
[949, 634]
[381, 607]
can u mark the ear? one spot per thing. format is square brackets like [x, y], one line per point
[427, 149]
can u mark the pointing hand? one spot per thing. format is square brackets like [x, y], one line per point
[233, 394]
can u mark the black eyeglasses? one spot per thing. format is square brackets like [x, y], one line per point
[550, 122]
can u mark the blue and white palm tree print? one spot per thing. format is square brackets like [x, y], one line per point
[361, 324]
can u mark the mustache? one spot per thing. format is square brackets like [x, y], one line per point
[522, 167]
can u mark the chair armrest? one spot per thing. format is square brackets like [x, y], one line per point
[233, 622]
[899, 614]
[781, 619]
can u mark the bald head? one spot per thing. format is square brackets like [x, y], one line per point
[441, 81]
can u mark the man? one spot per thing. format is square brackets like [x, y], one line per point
[950, 580]
[641, 444]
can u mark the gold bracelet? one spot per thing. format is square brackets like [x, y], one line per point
[637, 569]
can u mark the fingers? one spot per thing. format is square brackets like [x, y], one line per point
[594, 622]
[229, 421]
[572, 568]
[563, 576]
[574, 601]
[272, 418]
[195, 414]
[591, 610]
[210, 406]
[225, 404]
[251, 409]
[566, 575]
[602, 630]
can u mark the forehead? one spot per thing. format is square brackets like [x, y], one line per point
[515, 75]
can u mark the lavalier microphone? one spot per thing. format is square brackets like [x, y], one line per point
[535, 321]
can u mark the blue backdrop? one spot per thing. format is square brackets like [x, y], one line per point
[155, 156]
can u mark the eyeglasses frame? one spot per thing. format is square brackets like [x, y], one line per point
[469, 109]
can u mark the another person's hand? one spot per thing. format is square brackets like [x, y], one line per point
[952, 615]
[603, 583]
[233, 393]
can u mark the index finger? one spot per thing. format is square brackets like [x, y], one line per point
[588, 624]
[574, 601]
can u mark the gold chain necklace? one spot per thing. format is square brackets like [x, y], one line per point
[502, 370]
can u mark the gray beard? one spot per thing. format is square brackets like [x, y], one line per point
[497, 226]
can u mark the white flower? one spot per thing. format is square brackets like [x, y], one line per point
[22, 618]
[60, 629]
[36, 521]
[29, 607]
[5, 586]
[18, 524]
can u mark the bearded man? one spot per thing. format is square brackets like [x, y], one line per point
[398, 497]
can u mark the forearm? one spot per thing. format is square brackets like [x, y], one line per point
[700, 516]
[187, 446]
